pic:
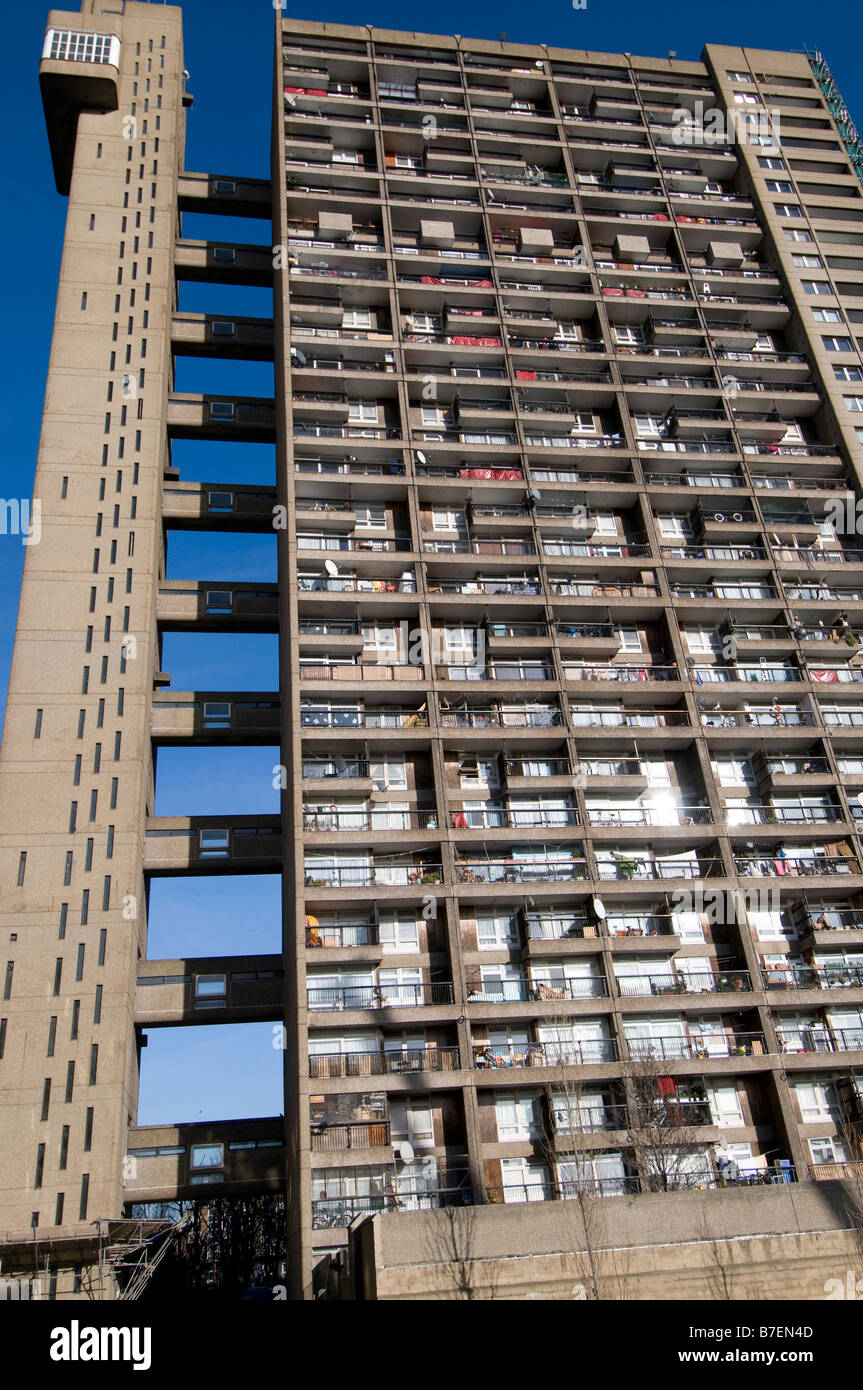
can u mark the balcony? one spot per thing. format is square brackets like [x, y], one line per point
[361, 672]
[636, 865]
[676, 981]
[354, 997]
[366, 1134]
[819, 1037]
[330, 1213]
[712, 1045]
[798, 816]
[335, 937]
[325, 716]
[629, 1185]
[523, 989]
[380, 874]
[587, 672]
[490, 717]
[649, 816]
[356, 584]
[502, 818]
[327, 819]
[836, 865]
[548, 870]
[813, 977]
[589, 1052]
[400, 1062]
[631, 717]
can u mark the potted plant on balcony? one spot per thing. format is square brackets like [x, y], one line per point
[625, 867]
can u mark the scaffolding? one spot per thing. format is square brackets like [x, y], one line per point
[838, 109]
[131, 1251]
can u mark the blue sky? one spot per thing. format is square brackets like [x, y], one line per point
[211, 1073]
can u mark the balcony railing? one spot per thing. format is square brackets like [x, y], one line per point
[813, 977]
[679, 982]
[379, 996]
[495, 718]
[334, 1213]
[338, 937]
[783, 866]
[649, 816]
[625, 867]
[590, 1051]
[630, 718]
[503, 818]
[365, 1134]
[387, 717]
[514, 871]
[589, 588]
[782, 815]
[670, 1047]
[735, 719]
[395, 1063]
[354, 584]
[524, 989]
[627, 1185]
[590, 671]
[324, 818]
[834, 919]
[548, 767]
[820, 1038]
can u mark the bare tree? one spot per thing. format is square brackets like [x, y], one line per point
[663, 1127]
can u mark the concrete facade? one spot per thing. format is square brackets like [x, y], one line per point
[566, 478]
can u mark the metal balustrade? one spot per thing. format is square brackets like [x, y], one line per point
[351, 997]
[398, 1062]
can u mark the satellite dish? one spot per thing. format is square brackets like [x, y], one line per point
[299, 356]
[406, 1151]
[535, 494]
[421, 456]
[331, 568]
[598, 907]
[860, 798]
[290, 100]
[538, 63]
[340, 763]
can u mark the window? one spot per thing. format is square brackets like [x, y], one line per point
[399, 932]
[360, 412]
[837, 344]
[206, 1163]
[740, 77]
[496, 931]
[371, 515]
[797, 234]
[828, 1151]
[787, 210]
[808, 262]
[71, 46]
[210, 991]
[826, 316]
[779, 186]
[519, 1117]
[854, 403]
[412, 1119]
[766, 161]
[357, 318]
[848, 373]
[816, 287]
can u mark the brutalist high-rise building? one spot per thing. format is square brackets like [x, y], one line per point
[570, 604]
